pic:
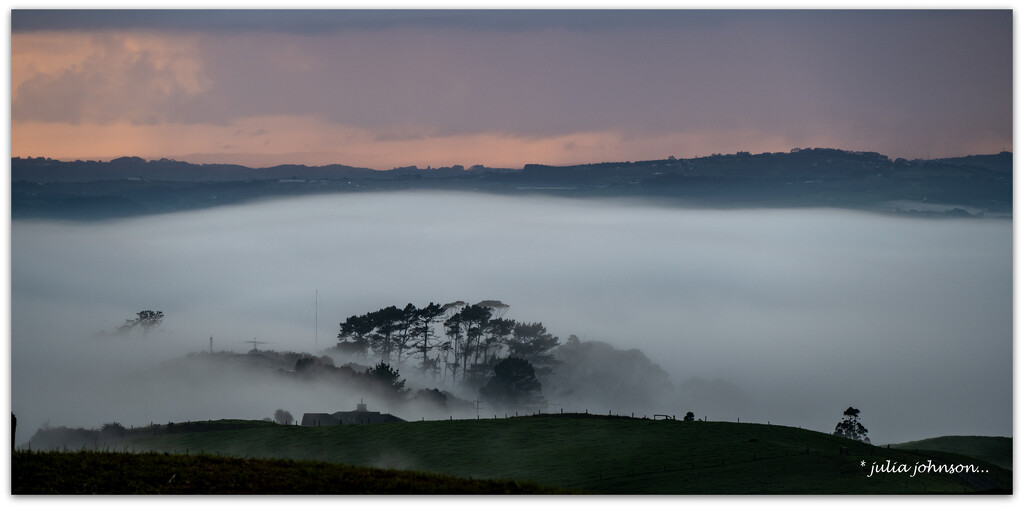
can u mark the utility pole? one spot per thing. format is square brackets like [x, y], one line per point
[211, 344]
[316, 320]
[254, 342]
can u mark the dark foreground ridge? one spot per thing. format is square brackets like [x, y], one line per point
[98, 472]
[595, 454]
[980, 185]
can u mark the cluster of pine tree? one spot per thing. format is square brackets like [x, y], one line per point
[454, 342]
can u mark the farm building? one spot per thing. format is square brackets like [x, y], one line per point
[357, 417]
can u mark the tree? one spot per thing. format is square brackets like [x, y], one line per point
[424, 331]
[283, 417]
[850, 426]
[407, 322]
[386, 376]
[386, 324]
[498, 334]
[688, 417]
[113, 429]
[147, 320]
[432, 396]
[514, 385]
[532, 342]
[454, 346]
[497, 308]
[474, 321]
[354, 335]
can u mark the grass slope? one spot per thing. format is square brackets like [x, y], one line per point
[601, 455]
[997, 450]
[94, 472]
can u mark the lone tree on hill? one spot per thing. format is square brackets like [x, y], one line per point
[514, 385]
[850, 426]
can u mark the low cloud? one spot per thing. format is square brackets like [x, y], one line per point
[787, 316]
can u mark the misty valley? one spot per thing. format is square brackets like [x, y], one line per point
[438, 306]
[511, 251]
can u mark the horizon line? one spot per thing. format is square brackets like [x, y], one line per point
[107, 160]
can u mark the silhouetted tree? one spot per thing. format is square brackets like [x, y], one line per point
[354, 335]
[688, 417]
[453, 347]
[406, 332]
[386, 324]
[532, 342]
[497, 335]
[850, 426]
[305, 363]
[283, 417]
[497, 308]
[432, 396]
[514, 385]
[386, 376]
[474, 321]
[424, 331]
[147, 320]
[112, 429]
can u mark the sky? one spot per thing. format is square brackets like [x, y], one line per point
[384, 89]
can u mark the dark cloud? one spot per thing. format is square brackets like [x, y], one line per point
[314, 21]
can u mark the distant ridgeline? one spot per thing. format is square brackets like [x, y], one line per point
[814, 177]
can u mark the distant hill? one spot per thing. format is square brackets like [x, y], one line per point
[997, 450]
[132, 168]
[814, 177]
[596, 454]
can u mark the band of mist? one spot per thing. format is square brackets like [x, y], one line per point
[786, 316]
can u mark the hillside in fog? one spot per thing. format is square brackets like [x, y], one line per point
[128, 186]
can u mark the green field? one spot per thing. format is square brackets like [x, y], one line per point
[595, 454]
[996, 450]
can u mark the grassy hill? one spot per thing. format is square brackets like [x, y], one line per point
[94, 472]
[997, 450]
[596, 454]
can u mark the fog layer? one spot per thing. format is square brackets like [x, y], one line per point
[787, 316]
